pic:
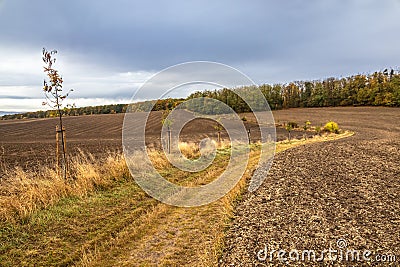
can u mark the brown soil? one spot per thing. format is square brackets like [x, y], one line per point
[318, 193]
[29, 143]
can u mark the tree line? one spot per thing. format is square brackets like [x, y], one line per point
[377, 89]
[74, 111]
[161, 104]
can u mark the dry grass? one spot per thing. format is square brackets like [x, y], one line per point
[193, 150]
[23, 192]
[283, 145]
[189, 150]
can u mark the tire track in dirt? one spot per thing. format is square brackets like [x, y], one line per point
[316, 194]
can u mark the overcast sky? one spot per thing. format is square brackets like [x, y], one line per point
[107, 49]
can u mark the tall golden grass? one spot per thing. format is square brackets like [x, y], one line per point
[22, 192]
[192, 150]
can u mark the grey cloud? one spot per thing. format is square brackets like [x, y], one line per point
[271, 41]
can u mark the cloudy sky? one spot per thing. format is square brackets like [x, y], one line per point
[107, 49]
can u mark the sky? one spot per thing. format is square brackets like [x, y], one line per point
[108, 49]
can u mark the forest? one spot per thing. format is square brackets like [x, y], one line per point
[377, 89]
[381, 88]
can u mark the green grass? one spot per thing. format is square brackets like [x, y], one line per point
[58, 235]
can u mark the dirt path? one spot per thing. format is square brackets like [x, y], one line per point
[317, 194]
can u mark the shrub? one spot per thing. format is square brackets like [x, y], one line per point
[306, 125]
[331, 127]
[293, 124]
